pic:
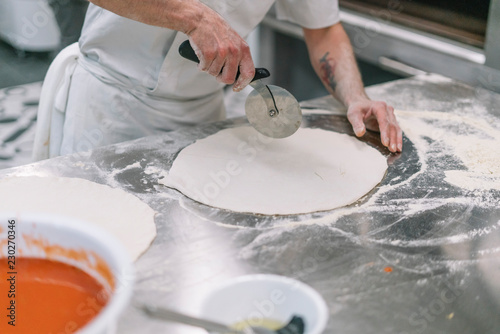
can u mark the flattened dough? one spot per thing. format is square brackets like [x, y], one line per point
[123, 215]
[240, 170]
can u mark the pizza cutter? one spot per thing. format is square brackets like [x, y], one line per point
[271, 110]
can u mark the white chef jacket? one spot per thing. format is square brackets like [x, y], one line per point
[131, 81]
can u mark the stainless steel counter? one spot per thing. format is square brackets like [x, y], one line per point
[416, 255]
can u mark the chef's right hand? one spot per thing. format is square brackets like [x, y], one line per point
[222, 51]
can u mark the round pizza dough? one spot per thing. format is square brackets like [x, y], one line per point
[240, 170]
[121, 214]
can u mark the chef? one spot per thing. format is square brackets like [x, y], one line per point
[131, 82]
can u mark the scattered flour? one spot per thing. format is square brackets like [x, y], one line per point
[472, 140]
[154, 170]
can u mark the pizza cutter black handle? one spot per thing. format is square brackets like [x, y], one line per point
[187, 52]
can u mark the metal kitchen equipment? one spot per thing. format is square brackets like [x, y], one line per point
[458, 40]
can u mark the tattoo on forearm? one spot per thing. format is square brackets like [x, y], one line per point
[327, 71]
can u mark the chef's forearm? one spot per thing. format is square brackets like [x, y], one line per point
[180, 15]
[333, 60]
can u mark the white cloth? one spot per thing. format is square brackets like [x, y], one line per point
[52, 105]
[132, 82]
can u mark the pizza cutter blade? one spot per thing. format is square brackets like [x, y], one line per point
[271, 110]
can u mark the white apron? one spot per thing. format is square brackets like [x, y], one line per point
[131, 82]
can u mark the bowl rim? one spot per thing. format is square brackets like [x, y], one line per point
[122, 294]
[318, 300]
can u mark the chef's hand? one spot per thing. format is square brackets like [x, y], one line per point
[222, 51]
[376, 116]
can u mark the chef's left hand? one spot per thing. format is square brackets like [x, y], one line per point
[376, 116]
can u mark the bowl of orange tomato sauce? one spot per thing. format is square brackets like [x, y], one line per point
[59, 275]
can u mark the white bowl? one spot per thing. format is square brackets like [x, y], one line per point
[257, 297]
[82, 245]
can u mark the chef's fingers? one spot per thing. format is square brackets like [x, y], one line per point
[230, 69]
[391, 130]
[246, 68]
[224, 62]
[399, 132]
[356, 118]
[216, 67]
[218, 57]
[396, 137]
[393, 138]
[202, 65]
[400, 140]
[379, 109]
